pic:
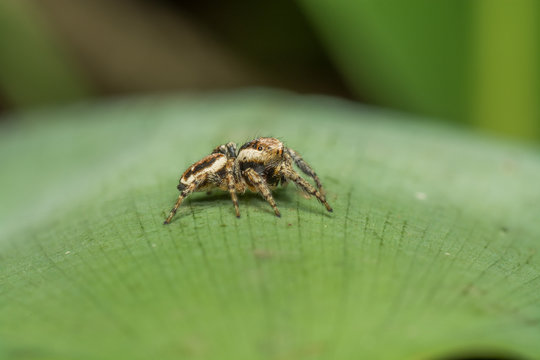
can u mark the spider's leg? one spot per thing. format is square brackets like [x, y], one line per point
[231, 185]
[306, 169]
[231, 149]
[309, 189]
[188, 190]
[259, 182]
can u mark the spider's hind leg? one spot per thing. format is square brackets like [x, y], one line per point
[185, 191]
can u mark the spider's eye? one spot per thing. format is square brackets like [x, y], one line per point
[260, 148]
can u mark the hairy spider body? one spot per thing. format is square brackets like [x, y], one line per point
[259, 166]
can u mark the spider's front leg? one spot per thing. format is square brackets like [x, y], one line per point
[309, 189]
[260, 184]
[304, 166]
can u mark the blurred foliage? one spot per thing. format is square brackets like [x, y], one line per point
[431, 252]
[470, 62]
[507, 75]
[34, 70]
[467, 61]
[411, 55]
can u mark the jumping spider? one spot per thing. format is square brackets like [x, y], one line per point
[259, 166]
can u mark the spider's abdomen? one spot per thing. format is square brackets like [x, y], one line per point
[213, 164]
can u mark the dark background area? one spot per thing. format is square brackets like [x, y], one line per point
[472, 63]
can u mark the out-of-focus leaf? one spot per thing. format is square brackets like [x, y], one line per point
[34, 68]
[411, 55]
[446, 59]
[507, 80]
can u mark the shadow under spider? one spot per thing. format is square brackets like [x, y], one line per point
[282, 196]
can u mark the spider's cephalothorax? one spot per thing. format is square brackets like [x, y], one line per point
[260, 166]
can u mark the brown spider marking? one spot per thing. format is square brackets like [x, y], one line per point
[259, 165]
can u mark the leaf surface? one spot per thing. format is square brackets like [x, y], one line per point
[432, 249]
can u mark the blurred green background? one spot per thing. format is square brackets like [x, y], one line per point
[468, 62]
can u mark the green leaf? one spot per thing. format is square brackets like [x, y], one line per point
[432, 249]
[446, 59]
[413, 55]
